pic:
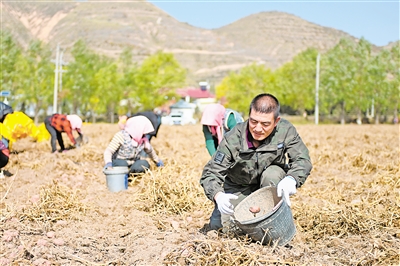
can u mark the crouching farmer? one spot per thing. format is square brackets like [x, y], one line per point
[253, 155]
[127, 144]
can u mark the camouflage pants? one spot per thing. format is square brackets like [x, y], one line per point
[270, 177]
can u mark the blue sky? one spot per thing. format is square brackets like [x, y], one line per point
[376, 21]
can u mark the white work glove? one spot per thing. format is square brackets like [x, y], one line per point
[287, 186]
[224, 203]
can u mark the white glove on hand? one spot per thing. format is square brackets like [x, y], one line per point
[224, 203]
[288, 187]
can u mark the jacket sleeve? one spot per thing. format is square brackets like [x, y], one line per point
[68, 130]
[214, 172]
[231, 121]
[114, 145]
[4, 149]
[299, 159]
[209, 140]
[150, 151]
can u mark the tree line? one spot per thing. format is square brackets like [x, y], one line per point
[93, 85]
[354, 82]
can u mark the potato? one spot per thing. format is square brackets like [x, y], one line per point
[254, 209]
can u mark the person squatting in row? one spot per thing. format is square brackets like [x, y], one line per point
[126, 146]
[265, 150]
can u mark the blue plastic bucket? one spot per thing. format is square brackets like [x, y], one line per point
[117, 178]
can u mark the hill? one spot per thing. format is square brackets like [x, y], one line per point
[270, 38]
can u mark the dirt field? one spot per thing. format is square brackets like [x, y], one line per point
[57, 210]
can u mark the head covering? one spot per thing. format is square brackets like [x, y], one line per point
[76, 122]
[154, 119]
[137, 126]
[213, 116]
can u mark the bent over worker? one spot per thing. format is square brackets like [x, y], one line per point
[217, 121]
[58, 123]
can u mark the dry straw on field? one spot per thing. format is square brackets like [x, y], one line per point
[362, 205]
[347, 212]
[55, 202]
[221, 252]
[170, 195]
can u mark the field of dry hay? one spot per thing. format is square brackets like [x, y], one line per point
[56, 209]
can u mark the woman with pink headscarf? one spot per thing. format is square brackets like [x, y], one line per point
[126, 146]
[217, 121]
[58, 123]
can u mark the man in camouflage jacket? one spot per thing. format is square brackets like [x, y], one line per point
[265, 150]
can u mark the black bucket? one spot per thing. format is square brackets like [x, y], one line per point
[273, 224]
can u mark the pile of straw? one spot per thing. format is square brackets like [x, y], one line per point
[56, 202]
[169, 195]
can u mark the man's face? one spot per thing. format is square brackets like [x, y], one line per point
[261, 125]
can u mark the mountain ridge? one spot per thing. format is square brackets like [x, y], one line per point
[269, 38]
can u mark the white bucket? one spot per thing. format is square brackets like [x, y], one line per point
[117, 178]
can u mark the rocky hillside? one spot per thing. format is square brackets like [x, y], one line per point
[270, 38]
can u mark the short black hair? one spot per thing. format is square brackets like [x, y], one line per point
[265, 103]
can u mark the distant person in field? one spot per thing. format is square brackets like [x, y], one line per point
[4, 155]
[154, 118]
[57, 124]
[126, 146]
[217, 121]
[265, 150]
[4, 143]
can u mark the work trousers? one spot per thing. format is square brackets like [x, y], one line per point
[3, 160]
[139, 166]
[54, 134]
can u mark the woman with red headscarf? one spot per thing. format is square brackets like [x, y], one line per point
[217, 121]
[126, 146]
